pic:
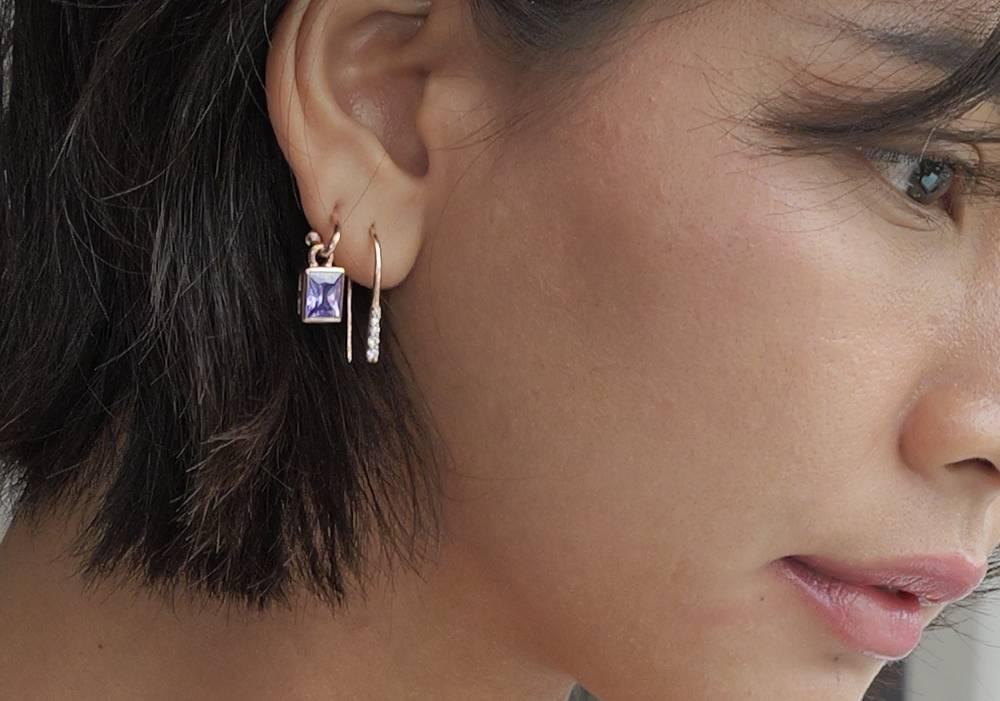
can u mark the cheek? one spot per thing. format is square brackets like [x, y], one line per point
[649, 357]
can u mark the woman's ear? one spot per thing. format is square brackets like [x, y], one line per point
[345, 86]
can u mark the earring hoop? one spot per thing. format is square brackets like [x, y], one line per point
[375, 315]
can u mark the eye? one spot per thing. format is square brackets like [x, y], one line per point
[923, 179]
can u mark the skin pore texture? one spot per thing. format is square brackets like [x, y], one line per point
[661, 358]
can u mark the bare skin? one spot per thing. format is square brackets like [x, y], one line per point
[661, 363]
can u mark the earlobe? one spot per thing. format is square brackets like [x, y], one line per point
[344, 83]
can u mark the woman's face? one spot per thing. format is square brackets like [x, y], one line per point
[662, 359]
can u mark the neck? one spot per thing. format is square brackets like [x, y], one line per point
[443, 635]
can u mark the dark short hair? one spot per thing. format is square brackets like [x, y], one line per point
[154, 373]
[154, 370]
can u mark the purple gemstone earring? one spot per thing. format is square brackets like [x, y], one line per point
[321, 286]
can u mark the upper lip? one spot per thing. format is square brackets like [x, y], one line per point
[934, 579]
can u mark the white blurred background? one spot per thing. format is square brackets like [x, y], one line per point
[960, 664]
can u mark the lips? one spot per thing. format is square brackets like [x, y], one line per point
[933, 580]
[880, 609]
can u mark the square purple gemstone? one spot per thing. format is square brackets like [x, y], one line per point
[323, 297]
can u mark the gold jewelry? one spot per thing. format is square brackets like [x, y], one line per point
[321, 286]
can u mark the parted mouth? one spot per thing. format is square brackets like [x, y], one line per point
[881, 608]
[931, 579]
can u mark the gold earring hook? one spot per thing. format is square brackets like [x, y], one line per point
[377, 285]
[319, 249]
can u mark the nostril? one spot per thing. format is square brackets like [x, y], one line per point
[984, 464]
[987, 467]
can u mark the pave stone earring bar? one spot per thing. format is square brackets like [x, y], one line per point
[375, 316]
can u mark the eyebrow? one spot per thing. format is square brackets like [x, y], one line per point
[943, 48]
[946, 48]
[818, 115]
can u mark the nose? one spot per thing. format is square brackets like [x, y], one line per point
[951, 435]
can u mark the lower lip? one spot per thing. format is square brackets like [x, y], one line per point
[876, 622]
